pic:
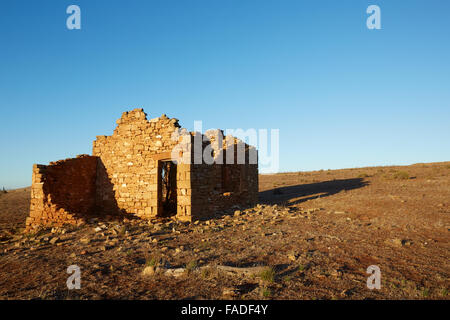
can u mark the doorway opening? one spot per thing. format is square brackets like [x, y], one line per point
[168, 183]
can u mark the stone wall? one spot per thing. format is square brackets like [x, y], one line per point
[127, 178]
[184, 194]
[124, 175]
[63, 192]
[219, 187]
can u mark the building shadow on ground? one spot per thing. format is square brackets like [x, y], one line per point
[292, 195]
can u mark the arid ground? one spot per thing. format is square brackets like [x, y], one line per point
[312, 236]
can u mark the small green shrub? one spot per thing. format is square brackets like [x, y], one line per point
[268, 274]
[191, 265]
[266, 292]
[401, 175]
[151, 262]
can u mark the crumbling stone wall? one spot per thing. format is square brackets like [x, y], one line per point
[63, 192]
[127, 178]
[219, 187]
[124, 175]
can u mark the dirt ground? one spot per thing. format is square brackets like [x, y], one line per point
[312, 236]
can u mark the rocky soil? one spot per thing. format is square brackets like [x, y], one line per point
[312, 236]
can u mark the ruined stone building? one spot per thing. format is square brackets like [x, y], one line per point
[148, 168]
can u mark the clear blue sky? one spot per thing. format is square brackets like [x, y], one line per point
[341, 95]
